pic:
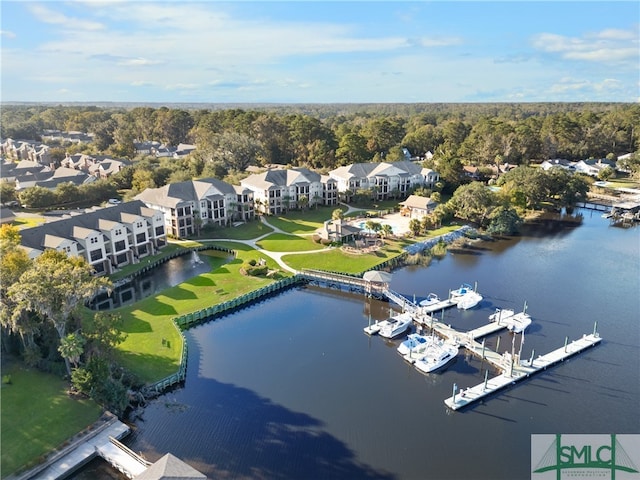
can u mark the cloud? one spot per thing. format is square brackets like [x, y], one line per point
[607, 46]
[7, 34]
[139, 62]
[50, 16]
[440, 41]
[140, 83]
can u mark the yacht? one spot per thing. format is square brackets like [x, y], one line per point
[436, 356]
[501, 314]
[394, 326]
[469, 300]
[413, 343]
[458, 293]
[519, 322]
[431, 299]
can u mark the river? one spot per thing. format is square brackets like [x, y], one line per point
[291, 388]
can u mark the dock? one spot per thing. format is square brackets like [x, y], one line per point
[518, 370]
[437, 306]
[101, 441]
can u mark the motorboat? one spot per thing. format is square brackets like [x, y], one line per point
[414, 342]
[458, 293]
[515, 322]
[519, 322]
[501, 314]
[431, 299]
[436, 356]
[395, 325]
[469, 300]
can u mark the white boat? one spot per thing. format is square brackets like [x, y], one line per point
[458, 293]
[469, 300]
[501, 314]
[394, 326]
[436, 356]
[431, 299]
[519, 322]
[414, 343]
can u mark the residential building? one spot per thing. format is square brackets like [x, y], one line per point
[387, 180]
[193, 203]
[100, 166]
[557, 163]
[108, 238]
[278, 190]
[593, 167]
[417, 207]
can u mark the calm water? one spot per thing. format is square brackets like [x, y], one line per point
[166, 275]
[292, 388]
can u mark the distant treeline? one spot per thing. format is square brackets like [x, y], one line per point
[324, 136]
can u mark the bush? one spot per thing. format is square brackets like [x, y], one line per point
[257, 271]
[252, 262]
[6, 379]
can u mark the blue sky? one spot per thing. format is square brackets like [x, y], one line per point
[320, 52]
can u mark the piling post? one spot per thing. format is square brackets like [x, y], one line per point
[486, 379]
[531, 359]
[483, 348]
[455, 387]
[595, 328]
[498, 345]
[566, 340]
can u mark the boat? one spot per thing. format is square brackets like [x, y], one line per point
[469, 300]
[431, 299]
[458, 293]
[519, 322]
[436, 356]
[501, 314]
[394, 326]
[413, 343]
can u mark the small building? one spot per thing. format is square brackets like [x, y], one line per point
[6, 216]
[417, 207]
[338, 231]
[170, 467]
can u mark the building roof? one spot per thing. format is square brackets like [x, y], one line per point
[34, 238]
[372, 169]
[170, 467]
[416, 201]
[187, 191]
[279, 178]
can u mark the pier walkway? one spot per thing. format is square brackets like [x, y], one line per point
[100, 442]
[518, 371]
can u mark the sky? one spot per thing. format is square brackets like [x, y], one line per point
[319, 51]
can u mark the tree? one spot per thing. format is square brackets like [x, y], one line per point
[352, 148]
[55, 287]
[606, 173]
[473, 202]
[504, 221]
[7, 191]
[337, 214]
[37, 197]
[386, 230]
[72, 347]
[415, 226]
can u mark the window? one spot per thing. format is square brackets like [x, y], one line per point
[95, 255]
[122, 258]
[141, 237]
[139, 225]
[118, 232]
[93, 239]
[121, 245]
[159, 231]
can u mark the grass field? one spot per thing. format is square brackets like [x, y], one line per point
[149, 321]
[303, 221]
[280, 242]
[37, 415]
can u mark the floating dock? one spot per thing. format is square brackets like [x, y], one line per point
[518, 371]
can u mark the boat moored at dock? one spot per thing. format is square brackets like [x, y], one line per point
[436, 356]
[469, 300]
[395, 325]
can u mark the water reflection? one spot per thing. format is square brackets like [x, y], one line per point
[168, 274]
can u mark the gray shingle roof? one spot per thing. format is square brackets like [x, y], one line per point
[170, 467]
[35, 237]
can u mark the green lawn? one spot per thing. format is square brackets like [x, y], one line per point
[37, 415]
[335, 260]
[246, 231]
[149, 321]
[280, 242]
[303, 221]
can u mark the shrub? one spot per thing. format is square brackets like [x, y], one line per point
[6, 379]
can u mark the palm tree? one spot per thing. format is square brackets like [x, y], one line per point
[72, 347]
[386, 230]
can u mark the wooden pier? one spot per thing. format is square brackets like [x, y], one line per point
[517, 370]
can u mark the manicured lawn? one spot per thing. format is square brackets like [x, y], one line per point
[37, 415]
[246, 231]
[303, 221]
[280, 242]
[335, 260]
[149, 321]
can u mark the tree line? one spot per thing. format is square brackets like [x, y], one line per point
[326, 136]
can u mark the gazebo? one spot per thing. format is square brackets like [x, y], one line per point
[170, 467]
[377, 281]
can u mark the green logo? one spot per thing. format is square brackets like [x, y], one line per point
[586, 455]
